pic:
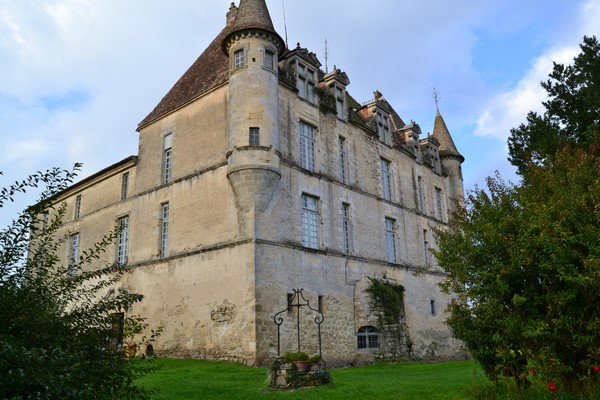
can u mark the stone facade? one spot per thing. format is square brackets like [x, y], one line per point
[258, 174]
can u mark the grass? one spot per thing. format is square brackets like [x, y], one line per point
[199, 379]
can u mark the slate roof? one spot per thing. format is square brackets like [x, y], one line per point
[442, 134]
[209, 71]
[253, 14]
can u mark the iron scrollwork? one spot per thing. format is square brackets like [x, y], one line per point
[298, 301]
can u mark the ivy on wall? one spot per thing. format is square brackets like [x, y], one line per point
[388, 299]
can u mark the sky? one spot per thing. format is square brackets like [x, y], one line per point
[77, 76]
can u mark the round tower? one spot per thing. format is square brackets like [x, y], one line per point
[253, 159]
[451, 160]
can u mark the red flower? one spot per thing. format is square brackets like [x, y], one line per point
[596, 368]
[551, 386]
[531, 371]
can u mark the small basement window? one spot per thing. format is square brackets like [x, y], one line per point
[368, 337]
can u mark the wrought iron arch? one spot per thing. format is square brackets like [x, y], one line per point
[298, 301]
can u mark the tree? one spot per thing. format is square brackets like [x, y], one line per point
[572, 112]
[56, 325]
[523, 260]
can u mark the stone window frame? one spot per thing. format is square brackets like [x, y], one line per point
[308, 135]
[269, 54]
[125, 185]
[382, 123]
[122, 240]
[167, 159]
[77, 208]
[432, 307]
[367, 337]
[346, 228]
[310, 221]
[438, 203]
[254, 136]
[306, 81]
[426, 248]
[421, 195]
[165, 211]
[340, 101]
[239, 58]
[74, 249]
[391, 240]
[387, 191]
[343, 159]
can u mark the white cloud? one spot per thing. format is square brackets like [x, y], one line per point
[127, 54]
[509, 109]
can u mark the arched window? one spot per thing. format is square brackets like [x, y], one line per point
[368, 337]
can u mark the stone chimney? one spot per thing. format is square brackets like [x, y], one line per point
[232, 13]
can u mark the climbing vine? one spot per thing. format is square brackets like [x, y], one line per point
[387, 298]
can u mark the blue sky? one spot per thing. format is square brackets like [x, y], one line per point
[76, 76]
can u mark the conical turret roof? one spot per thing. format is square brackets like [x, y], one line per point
[253, 15]
[442, 134]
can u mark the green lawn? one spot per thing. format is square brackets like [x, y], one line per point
[198, 379]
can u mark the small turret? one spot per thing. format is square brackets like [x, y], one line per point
[253, 158]
[450, 157]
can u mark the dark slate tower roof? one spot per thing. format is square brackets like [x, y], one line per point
[254, 15]
[442, 134]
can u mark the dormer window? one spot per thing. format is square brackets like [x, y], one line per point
[306, 83]
[239, 59]
[383, 127]
[339, 102]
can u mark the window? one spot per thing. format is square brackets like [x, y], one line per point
[239, 59]
[115, 338]
[432, 307]
[269, 59]
[320, 303]
[346, 227]
[307, 146]
[390, 239]
[45, 218]
[77, 213]
[426, 248]
[383, 128]
[306, 83]
[124, 185]
[438, 203]
[290, 305]
[386, 180]
[168, 158]
[310, 217]
[122, 240]
[254, 138]
[421, 190]
[73, 254]
[339, 102]
[343, 161]
[164, 230]
[368, 337]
